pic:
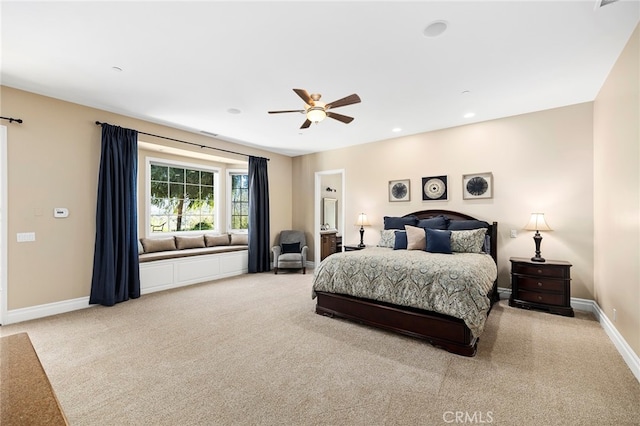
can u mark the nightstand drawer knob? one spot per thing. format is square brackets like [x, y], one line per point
[539, 271]
[539, 284]
[539, 297]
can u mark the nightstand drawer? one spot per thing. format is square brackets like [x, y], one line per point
[543, 298]
[534, 284]
[535, 270]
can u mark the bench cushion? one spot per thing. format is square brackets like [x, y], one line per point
[174, 254]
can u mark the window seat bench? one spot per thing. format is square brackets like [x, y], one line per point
[172, 262]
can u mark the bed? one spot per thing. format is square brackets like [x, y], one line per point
[441, 298]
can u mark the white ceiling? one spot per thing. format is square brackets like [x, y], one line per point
[185, 64]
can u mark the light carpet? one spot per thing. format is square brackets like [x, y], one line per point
[250, 350]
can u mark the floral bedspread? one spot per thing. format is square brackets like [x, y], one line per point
[453, 284]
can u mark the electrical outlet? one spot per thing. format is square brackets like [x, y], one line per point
[514, 233]
[615, 315]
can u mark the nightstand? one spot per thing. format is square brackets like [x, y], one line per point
[541, 285]
[353, 248]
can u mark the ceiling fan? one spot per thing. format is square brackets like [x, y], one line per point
[316, 111]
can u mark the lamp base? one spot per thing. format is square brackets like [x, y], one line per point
[538, 239]
[361, 245]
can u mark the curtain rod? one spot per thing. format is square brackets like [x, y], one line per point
[188, 143]
[11, 120]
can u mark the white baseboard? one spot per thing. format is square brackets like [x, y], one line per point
[630, 357]
[46, 310]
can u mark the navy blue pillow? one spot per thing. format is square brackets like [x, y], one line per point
[401, 240]
[438, 241]
[290, 248]
[399, 222]
[438, 222]
[465, 225]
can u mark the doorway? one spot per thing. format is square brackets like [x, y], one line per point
[3, 224]
[329, 184]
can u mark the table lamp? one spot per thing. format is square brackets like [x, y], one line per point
[362, 221]
[537, 223]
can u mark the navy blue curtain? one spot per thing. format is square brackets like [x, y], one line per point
[116, 273]
[259, 230]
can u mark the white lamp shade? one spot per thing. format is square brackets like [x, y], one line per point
[537, 223]
[362, 220]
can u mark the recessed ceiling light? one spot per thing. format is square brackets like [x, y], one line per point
[117, 69]
[204, 132]
[435, 29]
[466, 92]
[234, 111]
[469, 115]
[396, 129]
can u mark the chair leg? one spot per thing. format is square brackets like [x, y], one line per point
[304, 270]
[276, 270]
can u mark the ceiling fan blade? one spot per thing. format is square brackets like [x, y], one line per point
[351, 99]
[291, 110]
[305, 96]
[340, 117]
[306, 124]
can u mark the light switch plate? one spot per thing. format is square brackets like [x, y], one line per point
[25, 237]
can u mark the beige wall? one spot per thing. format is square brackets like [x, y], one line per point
[617, 194]
[540, 162]
[53, 160]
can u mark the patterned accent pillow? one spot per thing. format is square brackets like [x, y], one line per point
[416, 238]
[387, 238]
[470, 241]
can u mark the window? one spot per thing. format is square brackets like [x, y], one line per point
[238, 190]
[182, 197]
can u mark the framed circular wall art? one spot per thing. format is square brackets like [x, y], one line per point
[477, 185]
[434, 188]
[399, 190]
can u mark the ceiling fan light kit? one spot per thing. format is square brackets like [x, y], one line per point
[317, 111]
[316, 114]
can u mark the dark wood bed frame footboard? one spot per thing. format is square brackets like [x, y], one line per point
[440, 330]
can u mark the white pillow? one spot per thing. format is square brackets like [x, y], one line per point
[416, 238]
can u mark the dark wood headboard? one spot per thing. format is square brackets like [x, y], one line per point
[492, 231]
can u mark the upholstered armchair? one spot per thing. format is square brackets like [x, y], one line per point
[291, 251]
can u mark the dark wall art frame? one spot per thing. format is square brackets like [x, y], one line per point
[434, 188]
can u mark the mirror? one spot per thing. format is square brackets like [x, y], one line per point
[329, 213]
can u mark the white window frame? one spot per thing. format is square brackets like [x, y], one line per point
[216, 195]
[231, 172]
